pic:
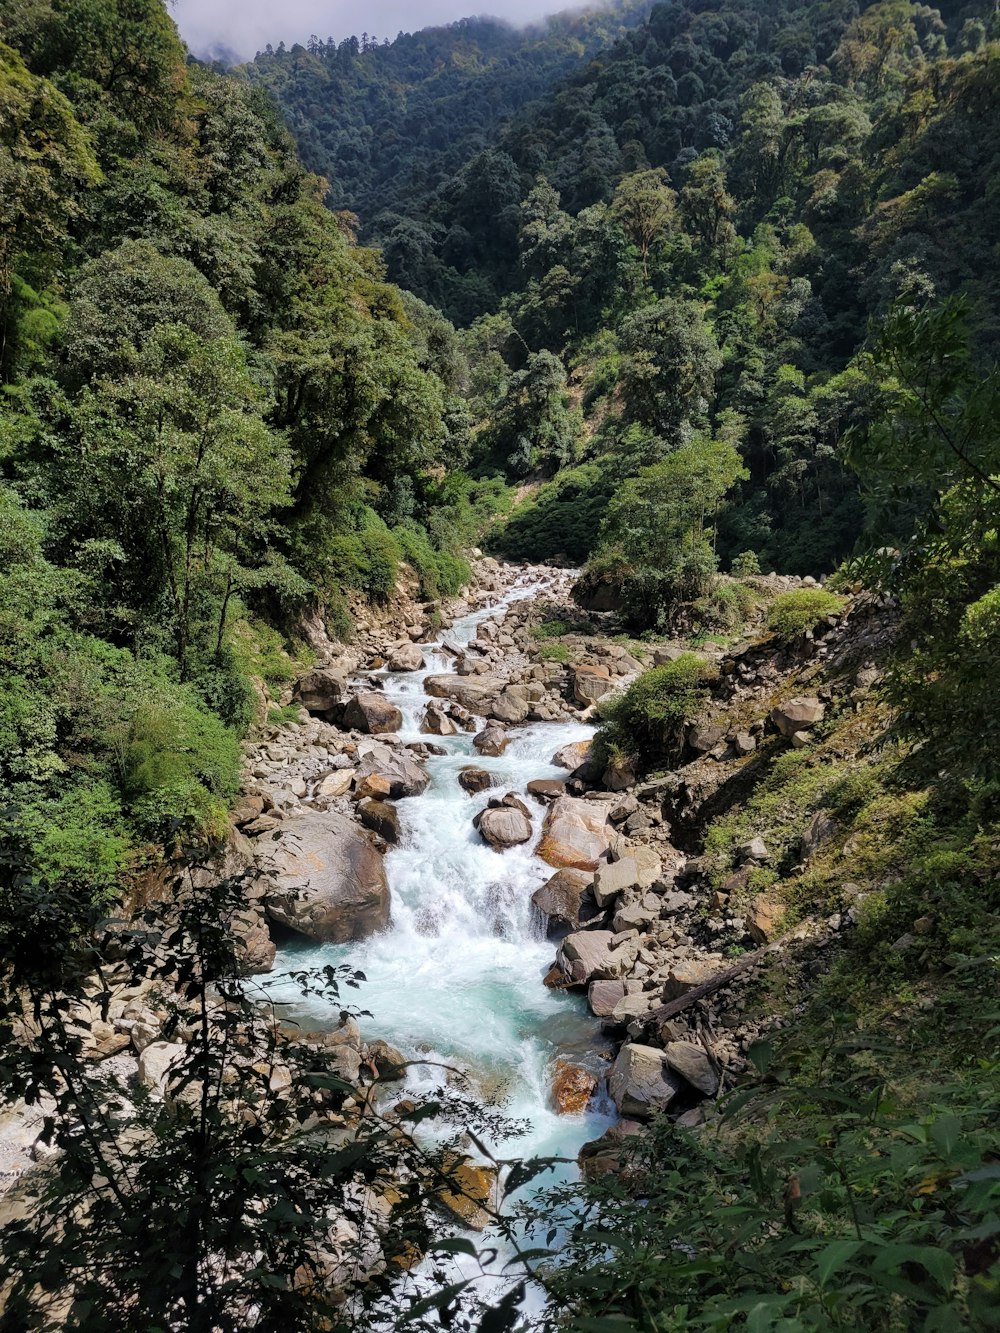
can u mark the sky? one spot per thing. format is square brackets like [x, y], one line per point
[244, 27]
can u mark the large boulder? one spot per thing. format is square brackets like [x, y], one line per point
[797, 715]
[381, 817]
[320, 691]
[641, 1081]
[504, 824]
[613, 879]
[158, 1061]
[591, 683]
[470, 1194]
[566, 899]
[326, 878]
[472, 779]
[492, 740]
[470, 691]
[511, 707]
[436, 722]
[406, 657]
[574, 756]
[372, 712]
[572, 1088]
[576, 834]
[337, 783]
[592, 955]
[694, 1066]
[399, 769]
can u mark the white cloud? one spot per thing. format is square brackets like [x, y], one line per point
[246, 26]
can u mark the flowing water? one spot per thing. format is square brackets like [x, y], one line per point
[457, 977]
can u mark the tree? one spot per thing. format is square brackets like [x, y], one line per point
[669, 367]
[46, 163]
[706, 205]
[930, 465]
[663, 522]
[645, 207]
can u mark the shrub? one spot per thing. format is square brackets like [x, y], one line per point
[561, 520]
[646, 717]
[554, 652]
[745, 564]
[795, 612]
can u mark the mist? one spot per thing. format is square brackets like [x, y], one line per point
[242, 27]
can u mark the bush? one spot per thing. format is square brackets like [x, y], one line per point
[561, 520]
[177, 765]
[745, 565]
[795, 612]
[647, 717]
[554, 652]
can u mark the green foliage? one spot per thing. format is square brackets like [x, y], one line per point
[745, 565]
[662, 522]
[562, 519]
[648, 716]
[793, 613]
[554, 652]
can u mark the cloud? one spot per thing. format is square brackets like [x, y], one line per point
[246, 26]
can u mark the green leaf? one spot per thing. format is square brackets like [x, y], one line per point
[835, 1256]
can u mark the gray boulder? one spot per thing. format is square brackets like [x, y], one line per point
[321, 690]
[372, 713]
[641, 1081]
[404, 775]
[326, 879]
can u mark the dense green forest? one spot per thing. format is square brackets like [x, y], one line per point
[216, 412]
[668, 292]
[687, 239]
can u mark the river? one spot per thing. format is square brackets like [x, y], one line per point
[457, 977]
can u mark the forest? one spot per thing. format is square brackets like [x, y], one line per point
[676, 294]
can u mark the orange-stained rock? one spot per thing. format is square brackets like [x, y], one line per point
[576, 834]
[572, 1089]
[375, 786]
[763, 918]
[470, 1191]
[572, 756]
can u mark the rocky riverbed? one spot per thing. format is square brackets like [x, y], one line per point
[437, 815]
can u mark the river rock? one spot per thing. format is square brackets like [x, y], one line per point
[381, 817]
[470, 1194]
[373, 787]
[156, 1062]
[436, 722]
[797, 715]
[373, 713]
[503, 826]
[492, 740]
[474, 780]
[406, 657]
[572, 1089]
[685, 976]
[603, 996]
[641, 1081]
[390, 1064]
[576, 834]
[591, 955]
[511, 707]
[405, 776]
[574, 756]
[591, 683]
[693, 1065]
[566, 899]
[337, 783]
[327, 880]
[546, 789]
[320, 691]
[470, 691]
[614, 878]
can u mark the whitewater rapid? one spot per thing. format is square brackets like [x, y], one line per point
[457, 977]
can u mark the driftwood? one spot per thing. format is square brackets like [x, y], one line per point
[713, 984]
